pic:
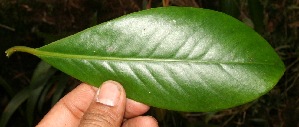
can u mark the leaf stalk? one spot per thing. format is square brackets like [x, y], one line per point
[14, 49]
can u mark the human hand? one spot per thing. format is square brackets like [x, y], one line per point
[88, 106]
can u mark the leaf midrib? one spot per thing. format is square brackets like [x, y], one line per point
[41, 53]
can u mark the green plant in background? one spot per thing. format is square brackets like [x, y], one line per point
[34, 94]
[177, 58]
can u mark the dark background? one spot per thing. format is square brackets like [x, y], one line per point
[35, 23]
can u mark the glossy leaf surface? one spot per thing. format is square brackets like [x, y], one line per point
[177, 58]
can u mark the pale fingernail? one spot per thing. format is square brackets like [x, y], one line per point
[108, 93]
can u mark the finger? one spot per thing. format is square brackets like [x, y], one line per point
[134, 108]
[141, 121]
[107, 110]
[70, 109]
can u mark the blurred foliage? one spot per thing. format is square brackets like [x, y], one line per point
[28, 87]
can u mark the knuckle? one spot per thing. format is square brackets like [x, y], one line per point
[103, 118]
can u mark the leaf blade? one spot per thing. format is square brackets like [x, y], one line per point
[175, 58]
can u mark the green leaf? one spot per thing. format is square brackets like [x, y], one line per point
[13, 105]
[255, 9]
[177, 58]
[11, 92]
[61, 85]
[230, 7]
[41, 75]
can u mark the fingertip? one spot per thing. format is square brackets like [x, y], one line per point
[134, 108]
[109, 93]
[108, 107]
[87, 85]
[141, 121]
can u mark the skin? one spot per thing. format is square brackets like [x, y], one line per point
[85, 108]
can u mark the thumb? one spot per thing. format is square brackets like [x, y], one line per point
[107, 110]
